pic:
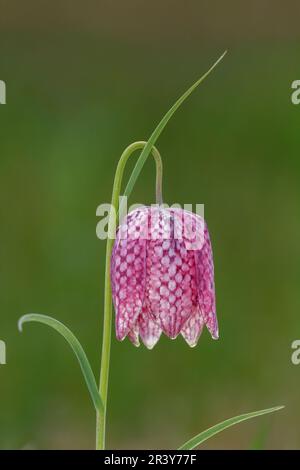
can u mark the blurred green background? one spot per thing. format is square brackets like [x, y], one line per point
[85, 79]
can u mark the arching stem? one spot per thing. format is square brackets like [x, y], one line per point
[107, 322]
[146, 147]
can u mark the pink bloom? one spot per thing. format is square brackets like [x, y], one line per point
[162, 276]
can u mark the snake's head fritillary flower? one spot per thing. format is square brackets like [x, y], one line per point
[162, 276]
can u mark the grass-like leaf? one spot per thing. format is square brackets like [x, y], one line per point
[158, 130]
[203, 436]
[76, 347]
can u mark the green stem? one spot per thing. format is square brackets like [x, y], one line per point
[107, 323]
[146, 147]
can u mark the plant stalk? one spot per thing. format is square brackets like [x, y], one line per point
[107, 322]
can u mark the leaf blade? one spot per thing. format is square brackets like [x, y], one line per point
[210, 432]
[75, 346]
[160, 127]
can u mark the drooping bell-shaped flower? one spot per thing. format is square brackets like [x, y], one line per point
[162, 276]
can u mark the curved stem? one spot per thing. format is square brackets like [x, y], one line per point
[107, 323]
[146, 147]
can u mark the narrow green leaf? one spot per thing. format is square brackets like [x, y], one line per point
[158, 130]
[203, 436]
[75, 345]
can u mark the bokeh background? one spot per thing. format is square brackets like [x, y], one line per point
[84, 79]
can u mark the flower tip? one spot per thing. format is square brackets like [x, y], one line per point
[213, 330]
[191, 342]
[120, 337]
[121, 332]
[133, 335]
[150, 342]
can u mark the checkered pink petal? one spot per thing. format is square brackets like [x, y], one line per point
[162, 276]
[206, 286]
